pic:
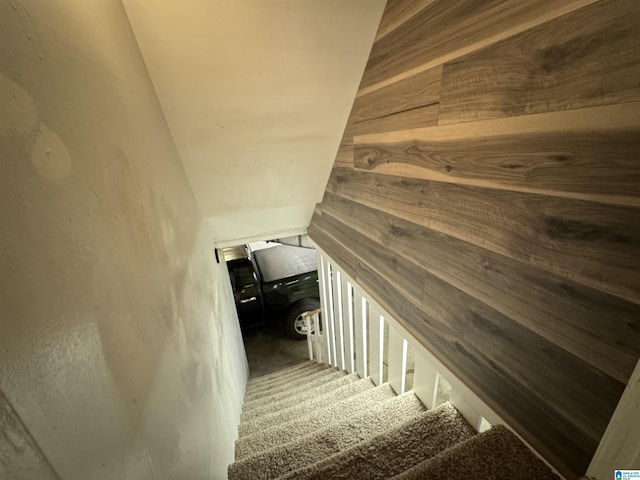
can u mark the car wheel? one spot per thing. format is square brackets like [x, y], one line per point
[295, 325]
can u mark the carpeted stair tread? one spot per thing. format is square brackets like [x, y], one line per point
[313, 380]
[494, 454]
[329, 382]
[298, 371]
[314, 419]
[394, 451]
[280, 382]
[302, 403]
[328, 441]
[280, 372]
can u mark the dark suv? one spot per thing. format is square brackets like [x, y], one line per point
[274, 285]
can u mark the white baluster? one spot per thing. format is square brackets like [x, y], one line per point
[359, 319]
[310, 336]
[465, 408]
[397, 360]
[336, 280]
[331, 317]
[347, 310]
[326, 306]
[424, 380]
[375, 344]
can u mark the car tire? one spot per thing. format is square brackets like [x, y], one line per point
[294, 325]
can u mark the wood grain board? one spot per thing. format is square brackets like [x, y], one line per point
[397, 12]
[423, 116]
[411, 103]
[487, 194]
[591, 154]
[344, 157]
[420, 90]
[444, 31]
[346, 260]
[585, 58]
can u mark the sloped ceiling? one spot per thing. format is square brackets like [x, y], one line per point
[256, 94]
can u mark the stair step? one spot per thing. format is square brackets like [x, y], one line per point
[313, 380]
[257, 408]
[266, 379]
[496, 453]
[314, 419]
[328, 441]
[394, 451]
[289, 408]
[311, 422]
[285, 380]
[282, 371]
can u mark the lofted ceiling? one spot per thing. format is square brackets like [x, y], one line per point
[256, 94]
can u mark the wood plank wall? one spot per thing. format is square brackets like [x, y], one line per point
[487, 193]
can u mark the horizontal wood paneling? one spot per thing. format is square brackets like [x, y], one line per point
[510, 246]
[601, 329]
[460, 322]
[344, 257]
[504, 341]
[444, 31]
[596, 244]
[397, 12]
[340, 207]
[588, 153]
[404, 274]
[420, 90]
[411, 103]
[344, 157]
[588, 57]
[425, 116]
[474, 321]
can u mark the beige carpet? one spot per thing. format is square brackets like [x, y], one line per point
[295, 380]
[283, 411]
[318, 379]
[274, 377]
[327, 441]
[398, 449]
[492, 455]
[315, 418]
[311, 422]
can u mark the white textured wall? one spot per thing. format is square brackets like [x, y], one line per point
[120, 352]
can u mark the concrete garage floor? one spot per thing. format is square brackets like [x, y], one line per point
[270, 350]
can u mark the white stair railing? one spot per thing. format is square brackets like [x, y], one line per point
[359, 333]
[354, 337]
[315, 335]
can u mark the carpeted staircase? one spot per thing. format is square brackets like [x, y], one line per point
[311, 421]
